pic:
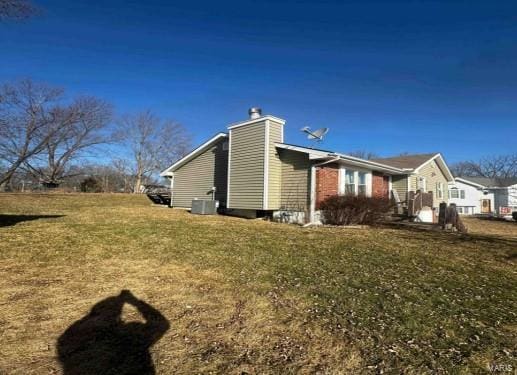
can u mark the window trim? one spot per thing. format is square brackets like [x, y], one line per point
[421, 184]
[343, 181]
[439, 190]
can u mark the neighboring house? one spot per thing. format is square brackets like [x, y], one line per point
[470, 197]
[252, 172]
[496, 196]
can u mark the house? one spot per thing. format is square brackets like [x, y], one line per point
[253, 172]
[496, 196]
[422, 172]
[470, 197]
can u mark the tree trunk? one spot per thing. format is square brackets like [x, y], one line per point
[6, 177]
[138, 182]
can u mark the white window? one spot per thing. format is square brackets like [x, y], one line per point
[454, 193]
[462, 194]
[460, 210]
[439, 190]
[361, 183]
[422, 184]
[350, 182]
[355, 182]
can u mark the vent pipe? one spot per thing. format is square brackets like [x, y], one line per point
[254, 112]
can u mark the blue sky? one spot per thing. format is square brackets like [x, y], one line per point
[386, 77]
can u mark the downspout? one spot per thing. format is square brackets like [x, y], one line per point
[172, 186]
[312, 210]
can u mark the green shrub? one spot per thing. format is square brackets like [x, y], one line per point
[352, 210]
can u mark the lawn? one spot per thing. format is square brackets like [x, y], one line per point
[246, 296]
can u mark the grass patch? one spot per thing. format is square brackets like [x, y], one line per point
[253, 296]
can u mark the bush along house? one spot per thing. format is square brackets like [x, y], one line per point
[252, 172]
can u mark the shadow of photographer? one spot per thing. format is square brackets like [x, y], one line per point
[101, 343]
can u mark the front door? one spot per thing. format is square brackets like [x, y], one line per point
[485, 206]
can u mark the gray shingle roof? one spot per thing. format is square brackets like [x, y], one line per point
[406, 161]
[491, 182]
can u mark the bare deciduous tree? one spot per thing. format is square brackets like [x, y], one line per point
[28, 113]
[501, 166]
[465, 168]
[152, 143]
[123, 170]
[362, 154]
[16, 9]
[81, 125]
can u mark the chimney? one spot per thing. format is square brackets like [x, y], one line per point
[254, 185]
[254, 112]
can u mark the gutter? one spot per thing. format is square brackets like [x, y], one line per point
[370, 164]
[315, 154]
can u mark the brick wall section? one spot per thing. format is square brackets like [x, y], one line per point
[380, 185]
[327, 180]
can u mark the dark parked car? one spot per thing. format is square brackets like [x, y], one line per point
[158, 194]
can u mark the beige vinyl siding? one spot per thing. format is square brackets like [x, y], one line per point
[399, 184]
[247, 167]
[195, 179]
[275, 166]
[296, 171]
[433, 174]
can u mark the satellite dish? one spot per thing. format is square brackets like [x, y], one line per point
[316, 134]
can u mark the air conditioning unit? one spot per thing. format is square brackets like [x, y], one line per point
[204, 207]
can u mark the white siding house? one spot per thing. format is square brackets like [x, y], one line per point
[471, 198]
[505, 200]
[482, 195]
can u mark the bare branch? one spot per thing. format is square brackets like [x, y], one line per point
[152, 143]
[362, 154]
[81, 126]
[501, 166]
[28, 113]
[16, 9]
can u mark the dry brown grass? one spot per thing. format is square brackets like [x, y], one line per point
[251, 296]
[215, 327]
[488, 226]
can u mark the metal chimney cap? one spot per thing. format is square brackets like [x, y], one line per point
[255, 112]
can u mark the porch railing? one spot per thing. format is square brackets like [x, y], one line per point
[417, 200]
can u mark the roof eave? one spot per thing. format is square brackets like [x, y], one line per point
[169, 171]
[318, 155]
[370, 164]
[468, 182]
[447, 171]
